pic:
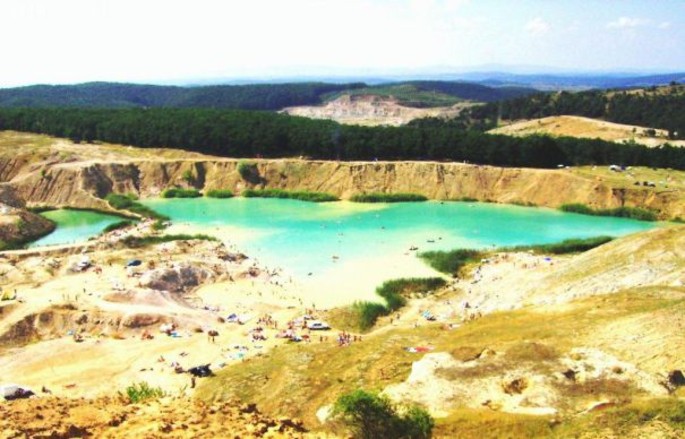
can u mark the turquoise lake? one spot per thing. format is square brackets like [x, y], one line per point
[339, 252]
[74, 226]
[304, 237]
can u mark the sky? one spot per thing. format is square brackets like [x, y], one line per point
[71, 41]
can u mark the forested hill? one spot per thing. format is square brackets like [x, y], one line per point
[655, 107]
[437, 93]
[239, 133]
[114, 95]
[246, 97]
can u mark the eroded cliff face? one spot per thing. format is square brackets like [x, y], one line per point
[19, 225]
[83, 184]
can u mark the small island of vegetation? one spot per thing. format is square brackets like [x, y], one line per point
[376, 197]
[315, 197]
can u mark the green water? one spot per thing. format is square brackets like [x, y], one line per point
[303, 237]
[74, 226]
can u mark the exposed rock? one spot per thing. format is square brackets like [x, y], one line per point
[516, 386]
[10, 197]
[371, 110]
[142, 320]
[176, 279]
[18, 225]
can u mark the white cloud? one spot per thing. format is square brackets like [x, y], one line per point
[627, 22]
[537, 26]
[665, 25]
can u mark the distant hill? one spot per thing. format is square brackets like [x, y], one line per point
[581, 81]
[114, 95]
[423, 94]
[655, 107]
[583, 127]
[246, 97]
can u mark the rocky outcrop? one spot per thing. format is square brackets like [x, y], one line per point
[371, 110]
[17, 225]
[177, 279]
[10, 197]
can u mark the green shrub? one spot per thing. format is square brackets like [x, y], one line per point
[370, 416]
[118, 225]
[367, 313]
[450, 262]
[565, 246]
[219, 193]
[188, 176]
[142, 241]
[127, 202]
[175, 192]
[41, 209]
[248, 171]
[143, 392]
[316, 197]
[394, 292]
[636, 213]
[386, 198]
[159, 225]
[119, 201]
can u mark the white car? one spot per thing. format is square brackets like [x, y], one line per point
[316, 324]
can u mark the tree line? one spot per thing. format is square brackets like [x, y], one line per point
[114, 95]
[238, 133]
[246, 97]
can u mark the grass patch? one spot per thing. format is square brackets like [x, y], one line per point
[531, 352]
[394, 292]
[219, 193]
[143, 241]
[102, 211]
[118, 225]
[176, 192]
[636, 213]
[488, 424]
[450, 262]
[316, 197]
[377, 197]
[41, 209]
[143, 392]
[126, 202]
[609, 387]
[563, 247]
[367, 313]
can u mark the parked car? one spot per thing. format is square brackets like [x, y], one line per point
[317, 324]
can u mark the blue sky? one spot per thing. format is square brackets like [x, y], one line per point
[66, 41]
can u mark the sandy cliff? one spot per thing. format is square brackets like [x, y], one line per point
[102, 169]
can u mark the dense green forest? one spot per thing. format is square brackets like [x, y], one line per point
[112, 95]
[237, 133]
[662, 108]
[246, 97]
